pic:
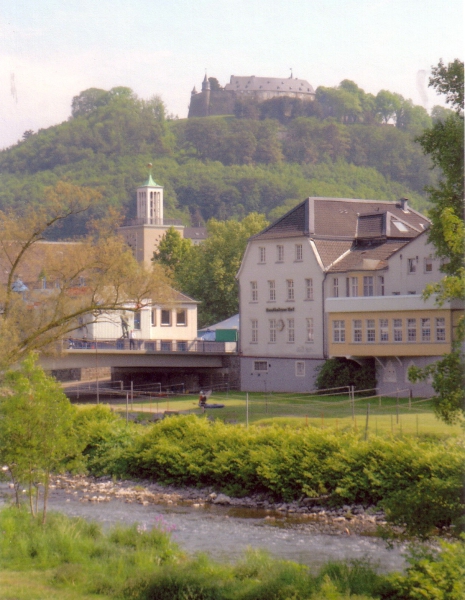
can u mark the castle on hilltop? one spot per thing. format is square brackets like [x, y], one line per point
[210, 102]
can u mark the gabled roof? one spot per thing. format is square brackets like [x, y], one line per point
[347, 219]
[250, 83]
[367, 258]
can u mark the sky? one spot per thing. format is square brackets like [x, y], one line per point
[51, 50]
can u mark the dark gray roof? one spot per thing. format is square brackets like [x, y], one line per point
[385, 225]
[367, 258]
[338, 219]
[330, 250]
[195, 233]
[272, 84]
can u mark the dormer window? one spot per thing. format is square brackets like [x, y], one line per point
[401, 226]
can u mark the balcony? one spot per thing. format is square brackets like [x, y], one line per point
[154, 221]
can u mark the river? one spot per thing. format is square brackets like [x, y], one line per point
[225, 532]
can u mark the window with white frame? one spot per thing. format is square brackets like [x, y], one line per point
[300, 368]
[381, 285]
[397, 329]
[339, 330]
[165, 318]
[411, 330]
[371, 332]
[260, 365]
[272, 330]
[298, 252]
[290, 331]
[153, 317]
[411, 265]
[137, 319]
[357, 330]
[425, 329]
[354, 286]
[440, 329]
[348, 287]
[254, 291]
[309, 289]
[336, 287]
[280, 253]
[290, 289]
[428, 265]
[254, 330]
[262, 254]
[272, 290]
[368, 285]
[181, 317]
[383, 330]
[310, 330]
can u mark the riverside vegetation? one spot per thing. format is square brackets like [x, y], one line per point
[72, 558]
[416, 481]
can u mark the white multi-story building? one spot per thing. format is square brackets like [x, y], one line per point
[340, 277]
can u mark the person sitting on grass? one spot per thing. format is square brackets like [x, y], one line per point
[202, 399]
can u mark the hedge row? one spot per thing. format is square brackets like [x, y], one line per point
[418, 482]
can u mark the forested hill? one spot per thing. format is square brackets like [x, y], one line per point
[265, 158]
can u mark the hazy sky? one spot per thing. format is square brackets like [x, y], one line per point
[52, 50]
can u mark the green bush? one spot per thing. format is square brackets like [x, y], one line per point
[417, 481]
[433, 575]
[342, 372]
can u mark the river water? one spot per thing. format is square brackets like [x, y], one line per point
[224, 533]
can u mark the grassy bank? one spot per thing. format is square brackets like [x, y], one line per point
[386, 415]
[71, 559]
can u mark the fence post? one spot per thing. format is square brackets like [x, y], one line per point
[127, 407]
[247, 410]
[366, 424]
[397, 407]
[132, 395]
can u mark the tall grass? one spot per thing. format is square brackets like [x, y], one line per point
[78, 560]
[80, 553]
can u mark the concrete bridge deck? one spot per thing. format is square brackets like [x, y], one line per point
[79, 354]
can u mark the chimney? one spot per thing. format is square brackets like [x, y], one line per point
[404, 204]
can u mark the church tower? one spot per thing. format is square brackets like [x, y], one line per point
[144, 233]
[150, 202]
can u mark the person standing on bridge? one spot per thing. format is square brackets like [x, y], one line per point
[132, 344]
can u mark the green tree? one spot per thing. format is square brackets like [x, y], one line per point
[444, 143]
[37, 319]
[387, 105]
[173, 251]
[88, 101]
[36, 429]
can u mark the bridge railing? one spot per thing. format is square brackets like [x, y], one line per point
[148, 346]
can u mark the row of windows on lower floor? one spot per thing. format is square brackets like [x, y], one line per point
[388, 373]
[395, 330]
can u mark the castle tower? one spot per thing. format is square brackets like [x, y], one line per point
[150, 202]
[206, 95]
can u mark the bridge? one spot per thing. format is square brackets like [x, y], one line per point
[196, 363]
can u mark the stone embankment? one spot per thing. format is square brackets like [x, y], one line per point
[310, 512]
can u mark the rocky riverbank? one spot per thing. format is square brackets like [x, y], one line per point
[310, 513]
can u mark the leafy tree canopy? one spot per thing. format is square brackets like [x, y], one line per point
[444, 143]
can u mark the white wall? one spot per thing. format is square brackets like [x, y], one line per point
[253, 270]
[108, 325]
